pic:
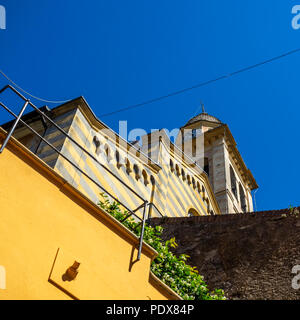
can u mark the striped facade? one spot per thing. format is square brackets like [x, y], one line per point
[175, 188]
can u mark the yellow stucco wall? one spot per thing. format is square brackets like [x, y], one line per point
[46, 225]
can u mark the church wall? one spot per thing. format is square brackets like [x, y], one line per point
[184, 183]
[172, 195]
[105, 153]
[55, 137]
[184, 188]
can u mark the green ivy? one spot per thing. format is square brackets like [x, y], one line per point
[172, 270]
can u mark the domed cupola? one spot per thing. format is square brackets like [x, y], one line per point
[203, 117]
[203, 120]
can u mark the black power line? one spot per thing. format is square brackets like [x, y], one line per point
[202, 84]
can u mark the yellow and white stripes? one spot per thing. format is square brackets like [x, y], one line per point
[172, 194]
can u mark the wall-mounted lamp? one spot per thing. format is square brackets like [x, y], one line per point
[71, 272]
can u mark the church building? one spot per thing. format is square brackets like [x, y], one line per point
[58, 164]
[202, 173]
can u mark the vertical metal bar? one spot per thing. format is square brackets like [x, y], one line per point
[150, 207]
[11, 131]
[142, 232]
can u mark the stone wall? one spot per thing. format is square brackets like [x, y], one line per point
[250, 256]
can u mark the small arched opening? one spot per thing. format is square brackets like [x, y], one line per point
[193, 183]
[145, 177]
[193, 213]
[136, 170]
[152, 180]
[97, 144]
[128, 166]
[107, 152]
[118, 159]
[183, 175]
[188, 177]
[206, 166]
[172, 165]
[177, 170]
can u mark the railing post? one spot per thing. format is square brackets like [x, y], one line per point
[149, 210]
[11, 131]
[142, 232]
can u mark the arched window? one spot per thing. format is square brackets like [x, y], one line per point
[152, 180]
[136, 171]
[183, 174]
[177, 170]
[194, 133]
[145, 176]
[193, 213]
[97, 144]
[198, 187]
[118, 159]
[233, 182]
[171, 165]
[107, 152]
[189, 179]
[242, 198]
[193, 182]
[206, 166]
[128, 166]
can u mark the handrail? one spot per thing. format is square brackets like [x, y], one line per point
[151, 204]
[19, 120]
[75, 142]
[63, 156]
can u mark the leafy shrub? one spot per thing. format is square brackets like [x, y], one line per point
[172, 270]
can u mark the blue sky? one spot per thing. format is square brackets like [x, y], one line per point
[119, 53]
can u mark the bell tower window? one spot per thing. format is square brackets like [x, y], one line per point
[194, 133]
[233, 182]
[206, 166]
[242, 199]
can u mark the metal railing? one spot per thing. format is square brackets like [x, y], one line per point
[18, 120]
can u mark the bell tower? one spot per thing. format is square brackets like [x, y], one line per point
[210, 143]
